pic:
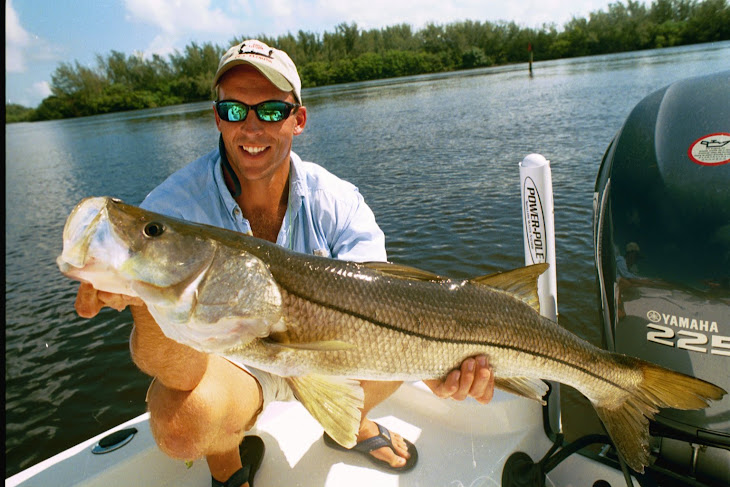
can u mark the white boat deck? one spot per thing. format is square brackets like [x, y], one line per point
[460, 445]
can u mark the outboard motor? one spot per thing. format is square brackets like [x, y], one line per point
[662, 248]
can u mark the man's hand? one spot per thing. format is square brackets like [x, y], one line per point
[89, 301]
[474, 378]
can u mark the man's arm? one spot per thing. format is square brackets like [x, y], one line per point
[89, 301]
[177, 366]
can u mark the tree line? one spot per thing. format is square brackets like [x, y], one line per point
[126, 82]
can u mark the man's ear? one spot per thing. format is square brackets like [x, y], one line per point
[301, 120]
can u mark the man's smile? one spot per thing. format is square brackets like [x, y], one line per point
[253, 150]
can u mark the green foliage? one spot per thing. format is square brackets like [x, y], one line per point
[475, 57]
[17, 113]
[120, 82]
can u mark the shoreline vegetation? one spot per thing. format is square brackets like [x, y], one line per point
[120, 82]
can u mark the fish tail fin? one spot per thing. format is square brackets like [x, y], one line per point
[628, 422]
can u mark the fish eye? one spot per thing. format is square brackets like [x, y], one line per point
[153, 229]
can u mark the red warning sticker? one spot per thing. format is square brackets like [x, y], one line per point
[711, 150]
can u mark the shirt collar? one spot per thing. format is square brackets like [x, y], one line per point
[220, 182]
[297, 179]
[297, 184]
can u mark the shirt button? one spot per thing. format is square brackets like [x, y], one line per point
[237, 211]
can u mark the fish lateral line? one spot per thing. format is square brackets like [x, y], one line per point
[454, 341]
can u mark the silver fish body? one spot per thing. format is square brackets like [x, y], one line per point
[322, 322]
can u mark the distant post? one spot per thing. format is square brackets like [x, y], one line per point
[529, 50]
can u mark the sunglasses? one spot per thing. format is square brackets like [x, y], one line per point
[266, 111]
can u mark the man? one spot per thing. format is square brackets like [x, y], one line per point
[202, 405]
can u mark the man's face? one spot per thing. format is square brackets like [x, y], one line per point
[257, 150]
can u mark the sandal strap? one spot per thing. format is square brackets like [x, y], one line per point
[376, 442]
[238, 478]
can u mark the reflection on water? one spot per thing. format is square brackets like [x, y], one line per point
[435, 157]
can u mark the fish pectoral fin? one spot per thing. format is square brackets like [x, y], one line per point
[523, 386]
[323, 346]
[334, 402]
[520, 282]
[403, 271]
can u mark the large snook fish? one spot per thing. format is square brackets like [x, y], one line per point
[323, 322]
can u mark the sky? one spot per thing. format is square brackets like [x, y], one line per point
[41, 34]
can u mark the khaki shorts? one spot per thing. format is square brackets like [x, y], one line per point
[273, 387]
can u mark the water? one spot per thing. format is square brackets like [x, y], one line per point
[435, 157]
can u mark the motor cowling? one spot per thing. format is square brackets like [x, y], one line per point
[662, 248]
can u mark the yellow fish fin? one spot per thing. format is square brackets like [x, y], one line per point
[334, 402]
[523, 386]
[520, 282]
[628, 423]
[403, 271]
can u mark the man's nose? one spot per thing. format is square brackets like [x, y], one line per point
[252, 123]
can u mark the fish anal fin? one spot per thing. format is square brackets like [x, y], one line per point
[523, 386]
[402, 271]
[520, 282]
[334, 402]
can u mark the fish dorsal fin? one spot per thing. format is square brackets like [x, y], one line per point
[334, 402]
[403, 271]
[520, 282]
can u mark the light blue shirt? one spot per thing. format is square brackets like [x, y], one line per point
[325, 216]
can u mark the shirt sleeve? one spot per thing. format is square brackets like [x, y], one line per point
[160, 200]
[177, 192]
[357, 236]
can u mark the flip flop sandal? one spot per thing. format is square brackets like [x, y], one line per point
[379, 441]
[251, 450]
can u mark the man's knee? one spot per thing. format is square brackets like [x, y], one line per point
[212, 418]
[178, 421]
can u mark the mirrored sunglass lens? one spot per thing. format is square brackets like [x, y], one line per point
[272, 112]
[235, 112]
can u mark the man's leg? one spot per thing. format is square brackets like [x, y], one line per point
[375, 393]
[209, 420]
[200, 405]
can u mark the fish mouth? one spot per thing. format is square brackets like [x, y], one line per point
[92, 252]
[78, 233]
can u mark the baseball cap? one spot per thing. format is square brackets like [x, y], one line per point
[273, 63]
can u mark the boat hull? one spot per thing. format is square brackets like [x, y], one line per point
[460, 444]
